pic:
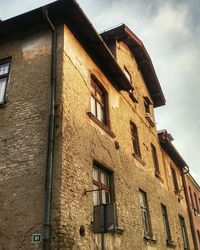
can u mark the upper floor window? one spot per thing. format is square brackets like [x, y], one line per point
[135, 139]
[101, 183]
[145, 214]
[184, 232]
[174, 179]
[4, 76]
[197, 205]
[155, 159]
[98, 101]
[191, 197]
[147, 104]
[166, 223]
[127, 74]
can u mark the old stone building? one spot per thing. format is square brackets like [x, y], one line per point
[78, 130]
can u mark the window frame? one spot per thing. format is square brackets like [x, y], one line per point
[102, 186]
[146, 219]
[7, 76]
[135, 139]
[184, 232]
[174, 179]
[99, 89]
[166, 223]
[155, 160]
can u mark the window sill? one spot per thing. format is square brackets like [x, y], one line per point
[150, 239]
[170, 244]
[101, 125]
[138, 158]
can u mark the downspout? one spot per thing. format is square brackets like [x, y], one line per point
[50, 147]
[188, 206]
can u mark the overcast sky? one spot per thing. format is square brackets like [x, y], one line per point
[170, 31]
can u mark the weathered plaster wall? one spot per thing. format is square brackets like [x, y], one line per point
[84, 141]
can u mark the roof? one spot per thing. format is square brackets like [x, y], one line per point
[69, 12]
[166, 142]
[123, 33]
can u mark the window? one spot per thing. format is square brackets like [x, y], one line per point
[174, 179]
[135, 139]
[98, 101]
[197, 206]
[4, 76]
[166, 223]
[198, 234]
[191, 197]
[147, 103]
[155, 159]
[184, 232]
[145, 214]
[101, 183]
[127, 74]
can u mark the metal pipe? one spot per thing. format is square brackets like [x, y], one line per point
[188, 206]
[50, 147]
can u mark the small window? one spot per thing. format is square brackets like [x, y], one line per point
[155, 159]
[197, 205]
[4, 76]
[166, 223]
[174, 179]
[145, 214]
[184, 232]
[98, 101]
[127, 74]
[102, 185]
[147, 103]
[135, 139]
[198, 234]
[191, 197]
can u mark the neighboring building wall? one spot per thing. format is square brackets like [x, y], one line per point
[193, 190]
[83, 141]
[23, 139]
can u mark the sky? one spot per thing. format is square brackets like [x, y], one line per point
[170, 31]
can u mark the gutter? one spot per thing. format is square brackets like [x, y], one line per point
[50, 147]
[188, 205]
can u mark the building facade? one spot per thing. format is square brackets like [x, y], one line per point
[193, 190]
[78, 131]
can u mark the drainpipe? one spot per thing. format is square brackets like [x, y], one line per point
[50, 147]
[188, 206]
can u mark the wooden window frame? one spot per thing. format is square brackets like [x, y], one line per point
[174, 180]
[6, 76]
[155, 160]
[184, 232]
[101, 186]
[146, 219]
[195, 198]
[135, 139]
[191, 197]
[166, 223]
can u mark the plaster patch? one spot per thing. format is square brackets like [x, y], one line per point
[36, 46]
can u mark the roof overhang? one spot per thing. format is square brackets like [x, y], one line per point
[123, 33]
[69, 12]
[166, 142]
